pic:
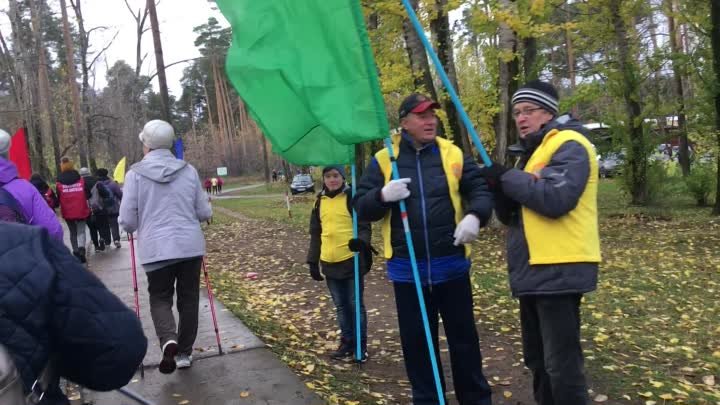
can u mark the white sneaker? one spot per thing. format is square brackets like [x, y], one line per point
[183, 360]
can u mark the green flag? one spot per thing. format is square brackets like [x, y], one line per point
[305, 69]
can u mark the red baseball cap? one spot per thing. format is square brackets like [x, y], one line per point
[416, 103]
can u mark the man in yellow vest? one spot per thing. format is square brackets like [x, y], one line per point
[447, 203]
[549, 203]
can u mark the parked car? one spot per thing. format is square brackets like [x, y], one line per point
[302, 183]
[611, 164]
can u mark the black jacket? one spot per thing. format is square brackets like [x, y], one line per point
[68, 177]
[555, 194]
[345, 269]
[50, 305]
[429, 206]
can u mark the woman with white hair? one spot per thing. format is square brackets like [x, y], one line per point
[164, 202]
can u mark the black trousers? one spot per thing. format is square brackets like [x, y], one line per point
[114, 228]
[99, 225]
[162, 286]
[453, 301]
[551, 345]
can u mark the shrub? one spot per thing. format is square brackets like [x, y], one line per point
[701, 182]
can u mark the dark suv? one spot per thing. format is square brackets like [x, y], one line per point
[302, 183]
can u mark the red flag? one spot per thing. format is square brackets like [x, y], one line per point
[18, 154]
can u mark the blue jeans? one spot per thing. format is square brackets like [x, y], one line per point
[343, 295]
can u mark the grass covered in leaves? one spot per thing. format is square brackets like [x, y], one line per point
[651, 331]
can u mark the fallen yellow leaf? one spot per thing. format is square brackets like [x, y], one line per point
[244, 394]
[646, 394]
[507, 394]
[601, 398]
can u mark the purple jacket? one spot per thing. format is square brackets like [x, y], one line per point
[33, 204]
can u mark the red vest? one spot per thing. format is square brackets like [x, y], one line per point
[73, 204]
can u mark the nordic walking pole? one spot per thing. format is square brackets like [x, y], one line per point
[212, 306]
[416, 277]
[358, 348]
[135, 288]
[446, 82]
[135, 396]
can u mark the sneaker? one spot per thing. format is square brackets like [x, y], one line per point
[101, 245]
[117, 244]
[345, 350]
[183, 360]
[169, 350]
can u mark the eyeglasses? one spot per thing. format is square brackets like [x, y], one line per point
[525, 111]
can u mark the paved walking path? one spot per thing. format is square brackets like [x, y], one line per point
[248, 373]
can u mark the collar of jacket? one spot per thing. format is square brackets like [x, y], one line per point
[407, 141]
[332, 194]
[565, 121]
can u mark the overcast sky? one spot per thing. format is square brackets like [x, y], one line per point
[177, 19]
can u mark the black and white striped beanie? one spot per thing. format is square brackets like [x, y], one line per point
[537, 92]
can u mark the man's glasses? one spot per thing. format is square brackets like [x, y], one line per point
[525, 111]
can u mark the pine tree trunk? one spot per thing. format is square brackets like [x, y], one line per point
[507, 84]
[159, 61]
[715, 43]
[676, 49]
[77, 7]
[71, 73]
[47, 118]
[631, 90]
[418, 58]
[440, 27]
[23, 51]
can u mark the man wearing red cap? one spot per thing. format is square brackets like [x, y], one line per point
[447, 202]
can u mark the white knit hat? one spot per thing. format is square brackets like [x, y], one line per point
[5, 141]
[157, 134]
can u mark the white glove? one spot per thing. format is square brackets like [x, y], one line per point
[395, 190]
[467, 230]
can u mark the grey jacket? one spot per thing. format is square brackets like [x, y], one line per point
[164, 202]
[556, 193]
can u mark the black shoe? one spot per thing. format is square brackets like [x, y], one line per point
[81, 255]
[101, 245]
[117, 244]
[345, 350]
[167, 364]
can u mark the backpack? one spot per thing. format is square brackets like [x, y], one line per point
[10, 208]
[51, 198]
[101, 199]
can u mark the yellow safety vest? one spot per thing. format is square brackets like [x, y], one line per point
[574, 237]
[452, 159]
[337, 229]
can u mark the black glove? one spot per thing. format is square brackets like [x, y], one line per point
[492, 175]
[315, 272]
[357, 245]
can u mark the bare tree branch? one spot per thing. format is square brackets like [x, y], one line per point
[172, 64]
[103, 50]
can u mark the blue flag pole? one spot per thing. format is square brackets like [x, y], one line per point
[446, 82]
[358, 349]
[416, 278]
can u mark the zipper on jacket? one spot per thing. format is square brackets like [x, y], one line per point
[424, 216]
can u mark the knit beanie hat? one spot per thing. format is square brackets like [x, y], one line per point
[84, 171]
[540, 93]
[157, 134]
[5, 142]
[339, 168]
